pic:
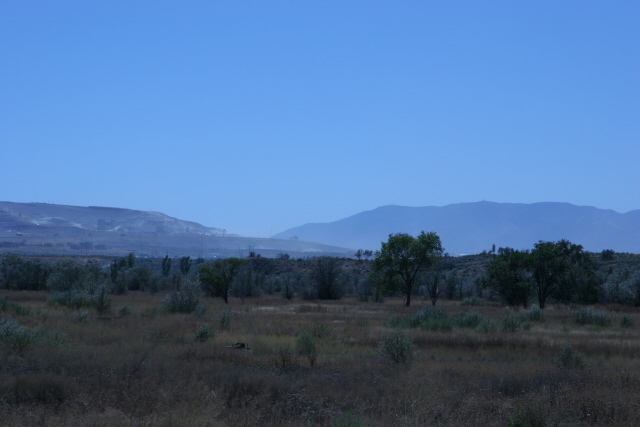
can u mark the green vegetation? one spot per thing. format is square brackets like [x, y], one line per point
[106, 331]
[401, 258]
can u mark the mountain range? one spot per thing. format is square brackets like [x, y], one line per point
[469, 228]
[48, 229]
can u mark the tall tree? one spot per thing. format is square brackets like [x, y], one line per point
[507, 276]
[402, 257]
[185, 265]
[166, 265]
[553, 264]
[217, 276]
[328, 278]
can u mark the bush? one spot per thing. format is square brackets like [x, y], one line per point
[320, 330]
[396, 348]
[203, 333]
[185, 299]
[15, 336]
[591, 317]
[124, 310]
[509, 323]
[427, 318]
[5, 304]
[224, 319]
[80, 316]
[487, 326]
[73, 299]
[569, 358]
[470, 320]
[102, 299]
[306, 346]
[534, 314]
[471, 301]
[626, 321]
[56, 338]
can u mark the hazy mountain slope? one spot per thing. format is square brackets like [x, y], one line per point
[34, 216]
[40, 228]
[473, 227]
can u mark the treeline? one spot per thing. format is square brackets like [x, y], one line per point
[558, 272]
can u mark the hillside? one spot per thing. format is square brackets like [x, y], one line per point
[468, 228]
[40, 228]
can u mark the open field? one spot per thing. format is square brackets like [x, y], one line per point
[146, 368]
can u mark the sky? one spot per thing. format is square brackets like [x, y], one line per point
[259, 116]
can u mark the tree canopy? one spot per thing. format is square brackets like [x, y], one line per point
[401, 258]
[217, 276]
[555, 266]
[507, 276]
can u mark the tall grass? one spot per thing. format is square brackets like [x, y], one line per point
[165, 368]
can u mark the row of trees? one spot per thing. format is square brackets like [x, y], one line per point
[405, 265]
[561, 270]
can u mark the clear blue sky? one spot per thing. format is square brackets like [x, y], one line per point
[258, 116]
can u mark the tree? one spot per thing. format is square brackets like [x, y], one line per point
[217, 276]
[131, 260]
[358, 254]
[185, 265]
[552, 265]
[328, 278]
[401, 258]
[166, 265]
[507, 276]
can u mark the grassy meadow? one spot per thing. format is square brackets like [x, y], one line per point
[465, 365]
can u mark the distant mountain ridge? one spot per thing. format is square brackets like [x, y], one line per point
[47, 229]
[31, 217]
[468, 228]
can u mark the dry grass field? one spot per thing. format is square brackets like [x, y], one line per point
[146, 367]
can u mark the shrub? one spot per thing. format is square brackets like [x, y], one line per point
[14, 306]
[509, 323]
[102, 299]
[320, 330]
[396, 348]
[124, 310]
[200, 310]
[534, 314]
[569, 358]
[487, 326]
[80, 316]
[56, 338]
[471, 301]
[73, 299]
[224, 319]
[470, 320]
[427, 318]
[306, 346]
[591, 317]
[203, 333]
[15, 336]
[626, 321]
[285, 358]
[184, 299]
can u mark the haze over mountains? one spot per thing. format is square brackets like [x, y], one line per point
[40, 228]
[465, 228]
[469, 228]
